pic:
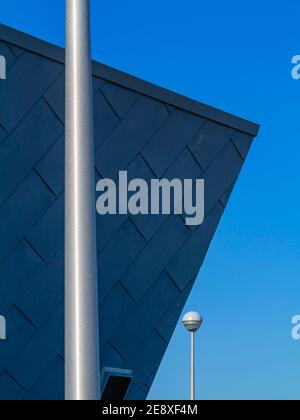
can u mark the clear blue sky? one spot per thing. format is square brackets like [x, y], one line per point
[236, 56]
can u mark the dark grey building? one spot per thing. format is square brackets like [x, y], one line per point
[147, 264]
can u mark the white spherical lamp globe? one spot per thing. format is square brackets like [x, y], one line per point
[192, 321]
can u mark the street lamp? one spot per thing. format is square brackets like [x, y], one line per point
[82, 370]
[192, 322]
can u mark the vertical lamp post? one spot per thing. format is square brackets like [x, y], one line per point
[192, 322]
[81, 299]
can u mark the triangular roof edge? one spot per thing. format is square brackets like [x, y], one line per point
[53, 52]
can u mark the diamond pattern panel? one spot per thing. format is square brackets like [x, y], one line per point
[147, 265]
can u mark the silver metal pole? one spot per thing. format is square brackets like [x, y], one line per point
[82, 369]
[192, 366]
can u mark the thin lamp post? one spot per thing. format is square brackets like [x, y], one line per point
[192, 322]
[192, 373]
[82, 369]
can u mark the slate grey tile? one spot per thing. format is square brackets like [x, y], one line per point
[106, 227]
[224, 200]
[28, 80]
[45, 293]
[170, 139]
[149, 224]
[109, 357]
[144, 366]
[21, 211]
[51, 166]
[242, 142]
[137, 128]
[209, 141]
[221, 174]
[10, 390]
[18, 51]
[25, 146]
[155, 257]
[55, 97]
[120, 98]
[105, 120]
[97, 82]
[119, 299]
[168, 321]
[119, 253]
[52, 378]
[6, 52]
[16, 275]
[184, 167]
[144, 315]
[3, 134]
[19, 331]
[139, 169]
[42, 349]
[47, 235]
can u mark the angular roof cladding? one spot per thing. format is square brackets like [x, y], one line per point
[55, 53]
[147, 264]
